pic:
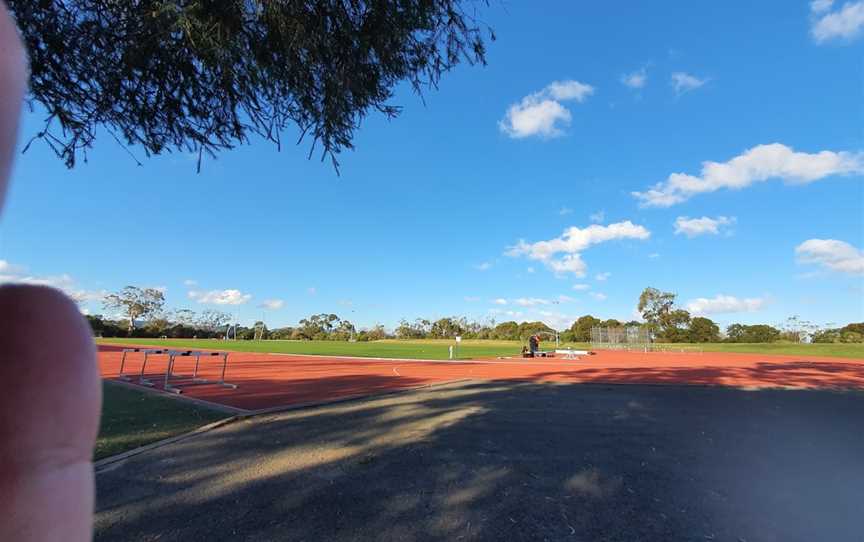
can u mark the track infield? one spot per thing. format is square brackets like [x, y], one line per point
[269, 381]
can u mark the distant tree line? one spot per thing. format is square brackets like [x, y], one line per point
[459, 326]
[852, 333]
[143, 315]
[180, 324]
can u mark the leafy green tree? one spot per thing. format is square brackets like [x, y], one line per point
[97, 325]
[281, 333]
[343, 331]
[317, 326]
[185, 317]
[206, 75]
[674, 327]
[136, 303]
[581, 328]
[611, 323]
[567, 336]
[853, 328]
[506, 331]
[662, 318]
[106, 328]
[761, 333]
[703, 330]
[157, 326]
[377, 333]
[655, 307]
[476, 330]
[260, 331]
[526, 329]
[850, 333]
[851, 337]
[418, 330]
[446, 328]
[403, 330]
[212, 320]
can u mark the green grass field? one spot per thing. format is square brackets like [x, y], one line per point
[132, 418]
[438, 349]
[420, 349]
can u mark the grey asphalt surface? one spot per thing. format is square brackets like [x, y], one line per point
[510, 461]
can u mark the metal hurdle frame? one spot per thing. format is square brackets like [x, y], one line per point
[147, 353]
[172, 358]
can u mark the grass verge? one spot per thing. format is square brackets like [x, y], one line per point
[132, 418]
[468, 349]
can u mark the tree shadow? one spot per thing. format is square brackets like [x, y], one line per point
[774, 374]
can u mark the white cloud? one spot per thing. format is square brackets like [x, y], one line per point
[761, 163]
[541, 113]
[693, 227]
[86, 296]
[844, 23]
[220, 297]
[61, 282]
[598, 296]
[500, 301]
[820, 6]
[16, 274]
[602, 276]
[568, 90]
[654, 255]
[272, 304]
[190, 282]
[723, 304]
[598, 217]
[530, 270]
[684, 82]
[832, 254]
[569, 263]
[531, 301]
[511, 314]
[7, 268]
[565, 211]
[484, 266]
[581, 287]
[636, 79]
[312, 290]
[555, 320]
[565, 299]
[572, 242]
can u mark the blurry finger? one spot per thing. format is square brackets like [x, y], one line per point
[12, 81]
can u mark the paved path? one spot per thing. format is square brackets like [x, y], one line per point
[511, 461]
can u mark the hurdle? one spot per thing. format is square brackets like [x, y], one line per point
[197, 354]
[572, 354]
[147, 353]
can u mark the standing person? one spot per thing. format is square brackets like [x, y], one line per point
[534, 344]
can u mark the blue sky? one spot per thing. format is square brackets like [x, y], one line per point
[509, 194]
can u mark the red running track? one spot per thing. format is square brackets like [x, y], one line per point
[273, 380]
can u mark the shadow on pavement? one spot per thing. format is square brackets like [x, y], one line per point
[510, 461]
